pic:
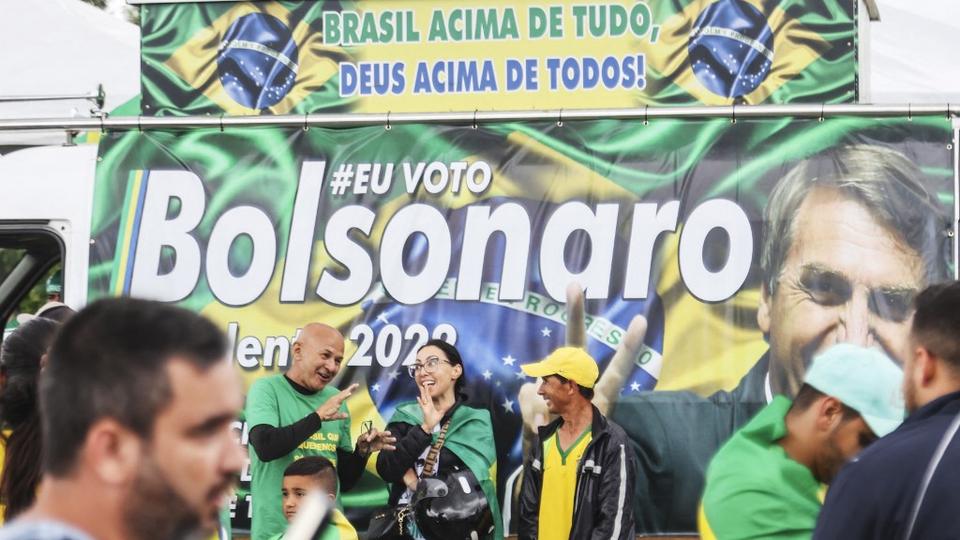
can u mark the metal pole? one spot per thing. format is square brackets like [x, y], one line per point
[142, 123]
[98, 97]
[49, 97]
[954, 231]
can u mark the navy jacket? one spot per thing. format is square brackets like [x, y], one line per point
[873, 496]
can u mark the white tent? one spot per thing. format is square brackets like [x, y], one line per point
[63, 47]
[67, 47]
[910, 53]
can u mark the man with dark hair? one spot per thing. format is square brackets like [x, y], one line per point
[137, 401]
[310, 474]
[765, 481]
[577, 480]
[298, 414]
[905, 486]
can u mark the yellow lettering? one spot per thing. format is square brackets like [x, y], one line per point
[319, 447]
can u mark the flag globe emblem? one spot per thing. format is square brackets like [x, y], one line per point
[731, 48]
[257, 61]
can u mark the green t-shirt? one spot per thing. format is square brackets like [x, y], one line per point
[754, 490]
[272, 401]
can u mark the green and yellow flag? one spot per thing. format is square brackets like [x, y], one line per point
[408, 56]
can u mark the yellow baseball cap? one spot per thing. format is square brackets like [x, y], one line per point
[570, 363]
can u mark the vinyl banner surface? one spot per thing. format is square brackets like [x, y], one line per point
[440, 55]
[747, 246]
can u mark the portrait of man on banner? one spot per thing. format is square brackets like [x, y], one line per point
[850, 235]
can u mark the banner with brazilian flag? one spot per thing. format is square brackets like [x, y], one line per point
[243, 58]
[745, 246]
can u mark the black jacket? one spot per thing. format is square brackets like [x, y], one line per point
[603, 503]
[873, 496]
[411, 442]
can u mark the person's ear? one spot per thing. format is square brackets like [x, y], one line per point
[925, 367]
[457, 371]
[829, 414]
[763, 311]
[113, 452]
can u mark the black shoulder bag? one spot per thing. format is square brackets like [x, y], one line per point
[390, 523]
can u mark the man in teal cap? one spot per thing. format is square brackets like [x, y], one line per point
[54, 287]
[765, 482]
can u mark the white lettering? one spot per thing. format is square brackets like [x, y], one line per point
[704, 284]
[157, 232]
[428, 221]
[648, 223]
[601, 228]
[351, 289]
[510, 219]
[302, 226]
[241, 290]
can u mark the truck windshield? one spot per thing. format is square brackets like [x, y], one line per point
[30, 272]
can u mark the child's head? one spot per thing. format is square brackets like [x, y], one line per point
[304, 474]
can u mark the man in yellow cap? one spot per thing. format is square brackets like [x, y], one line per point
[578, 481]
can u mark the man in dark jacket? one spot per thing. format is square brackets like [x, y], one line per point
[580, 474]
[905, 485]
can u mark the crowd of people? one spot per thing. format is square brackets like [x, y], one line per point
[112, 430]
[117, 421]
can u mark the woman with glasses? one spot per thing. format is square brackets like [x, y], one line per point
[438, 436]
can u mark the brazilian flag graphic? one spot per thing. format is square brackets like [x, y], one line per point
[691, 344]
[721, 52]
[248, 58]
[238, 59]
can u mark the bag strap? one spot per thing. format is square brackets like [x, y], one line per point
[931, 469]
[434, 452]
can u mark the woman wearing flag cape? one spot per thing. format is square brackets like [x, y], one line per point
[443, 448]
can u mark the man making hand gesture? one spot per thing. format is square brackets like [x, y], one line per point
[299, 414]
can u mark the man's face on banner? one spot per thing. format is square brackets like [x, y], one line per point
[846, 278]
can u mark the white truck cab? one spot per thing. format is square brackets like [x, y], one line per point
[46, 197]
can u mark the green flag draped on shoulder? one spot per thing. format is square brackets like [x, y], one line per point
[470, 438]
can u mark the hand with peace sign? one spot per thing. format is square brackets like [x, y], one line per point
[534, 410]
[330, 410]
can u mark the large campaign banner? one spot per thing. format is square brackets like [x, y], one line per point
[747, 246]
[439, 55]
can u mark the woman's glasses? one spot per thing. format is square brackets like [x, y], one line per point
[429, 366]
